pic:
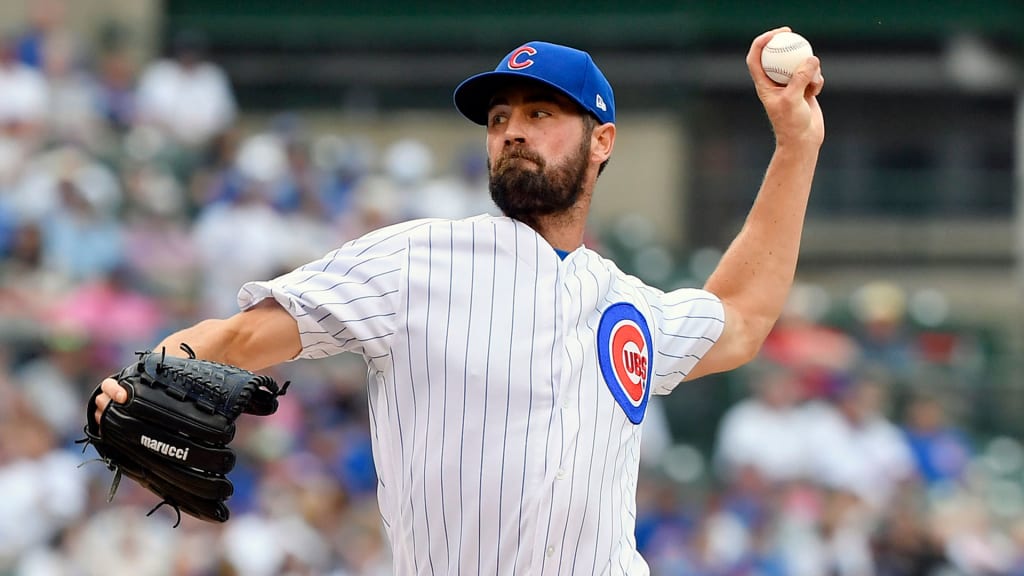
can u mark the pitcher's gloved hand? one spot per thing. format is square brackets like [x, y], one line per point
[172, 434]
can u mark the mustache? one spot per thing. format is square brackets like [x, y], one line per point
[518, 152]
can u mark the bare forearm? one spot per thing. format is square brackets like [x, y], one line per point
[757, 270]
[254, 339]
[209, 339]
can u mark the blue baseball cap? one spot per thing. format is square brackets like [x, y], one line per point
[568, 70]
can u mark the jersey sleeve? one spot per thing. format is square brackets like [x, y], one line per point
[688, 322]
[346, 301]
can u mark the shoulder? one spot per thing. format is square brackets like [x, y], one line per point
[388, 238]
[413, 232]
[424, 228]
[596, 263]
[606, 271]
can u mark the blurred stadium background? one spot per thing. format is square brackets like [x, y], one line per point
[154, 155]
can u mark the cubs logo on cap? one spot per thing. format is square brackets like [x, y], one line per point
[520, 57]
[568, 70]
[624, 351]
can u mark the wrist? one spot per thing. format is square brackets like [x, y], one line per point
[806, 148]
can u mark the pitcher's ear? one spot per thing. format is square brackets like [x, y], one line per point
[602, 140]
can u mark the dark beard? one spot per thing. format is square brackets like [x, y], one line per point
[526, 193]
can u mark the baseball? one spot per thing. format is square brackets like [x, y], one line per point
[783, 53]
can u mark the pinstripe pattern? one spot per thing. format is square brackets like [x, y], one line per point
[500, 448]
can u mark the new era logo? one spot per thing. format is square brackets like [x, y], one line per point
[600, 103]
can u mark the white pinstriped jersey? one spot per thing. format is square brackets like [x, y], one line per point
[504, 383]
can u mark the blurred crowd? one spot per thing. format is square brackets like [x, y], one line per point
[132, 204]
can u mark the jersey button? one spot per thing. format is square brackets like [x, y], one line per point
[560, 475]
[551, 551]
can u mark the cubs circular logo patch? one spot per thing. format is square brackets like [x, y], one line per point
[624, 353]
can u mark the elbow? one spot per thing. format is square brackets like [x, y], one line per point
[754, 337]
[748, 352]
[740, 342]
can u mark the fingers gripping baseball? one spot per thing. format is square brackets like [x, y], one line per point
[795, 115]
[761, 79]
[793, 108]
[807, 79]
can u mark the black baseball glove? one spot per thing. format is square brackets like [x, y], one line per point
[172, 434]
